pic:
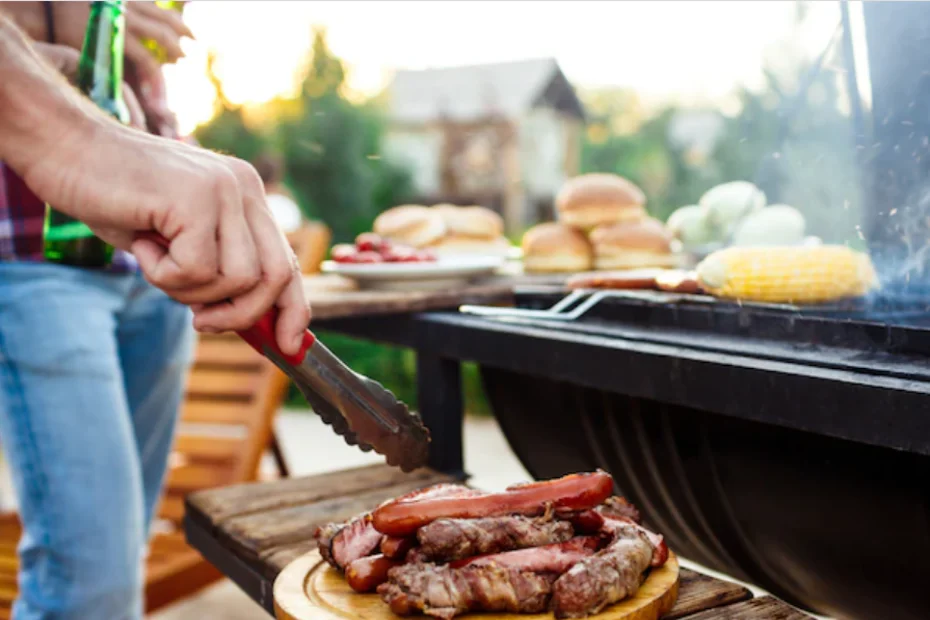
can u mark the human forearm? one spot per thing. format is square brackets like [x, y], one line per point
[39, 110]
[29, 16]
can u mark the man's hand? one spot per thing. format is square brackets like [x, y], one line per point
[65, 61]
[145, 21]
[211, 208]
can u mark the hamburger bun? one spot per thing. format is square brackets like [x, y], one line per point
[473, 221]
[453, 244]
[555, 248]
[413, 225]
[633, 245]
[593, 200]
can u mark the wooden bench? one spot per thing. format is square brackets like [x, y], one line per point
[227, 420]
[250, 532]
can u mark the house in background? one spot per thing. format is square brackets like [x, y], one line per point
[503, 135]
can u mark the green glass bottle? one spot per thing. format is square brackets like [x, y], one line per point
[100, 77]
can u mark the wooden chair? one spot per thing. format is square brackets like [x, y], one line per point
[226, 425]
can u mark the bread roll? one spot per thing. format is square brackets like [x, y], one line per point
[633, 245]
[592, 200]
[413, 225]
[473, 221]
[553, 247]
[453, 244]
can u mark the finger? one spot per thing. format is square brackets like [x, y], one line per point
[136, 115]
[143, 28]
[193, 260]
[116, 237]
[294, 313]
[145, 65]
[170, 17]
[245, 310]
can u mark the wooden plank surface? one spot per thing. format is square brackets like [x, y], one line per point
[266, 526]
[218, 505]
[765, 607]
[334, 304]
[701, 592]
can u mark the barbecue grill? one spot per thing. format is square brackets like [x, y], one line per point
[787, 446]
[806, 502]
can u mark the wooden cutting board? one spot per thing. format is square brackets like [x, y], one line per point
[310, 589]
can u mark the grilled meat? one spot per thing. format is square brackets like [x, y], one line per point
[340, 544]
[324, 536]
[608, 576]
[445, 592]
[452, 539]
[619, 508]
[556, 558]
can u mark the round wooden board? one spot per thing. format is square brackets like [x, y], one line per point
[309, 589]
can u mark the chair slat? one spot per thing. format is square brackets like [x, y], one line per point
[217, 412]
[230, 384]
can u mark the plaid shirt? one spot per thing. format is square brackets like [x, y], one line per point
[22, 217]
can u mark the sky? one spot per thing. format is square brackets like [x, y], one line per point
[687, 51]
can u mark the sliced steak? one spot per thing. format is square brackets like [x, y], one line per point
[606, 577]
[445, 592]
[444, 540]
[340, 544]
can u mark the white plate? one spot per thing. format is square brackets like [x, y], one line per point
[447, 272]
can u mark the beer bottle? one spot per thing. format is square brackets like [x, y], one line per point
[100, 77]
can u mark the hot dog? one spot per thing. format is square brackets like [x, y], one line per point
[397, 548]
[366, 574]
[572, 493]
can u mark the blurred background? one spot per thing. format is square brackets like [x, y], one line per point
[367, 105]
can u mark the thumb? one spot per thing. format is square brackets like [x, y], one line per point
[116, 237]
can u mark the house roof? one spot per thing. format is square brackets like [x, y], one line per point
[473, 92]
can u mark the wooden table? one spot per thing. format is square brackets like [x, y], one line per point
[331, 301]
[250, 532]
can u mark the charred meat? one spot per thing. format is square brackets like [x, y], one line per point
[606, 577]
[452, 539]
[340, 544]
[556, 558]
[445, 592]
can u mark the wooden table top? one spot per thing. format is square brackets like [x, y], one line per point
[331, 299]
[250, 532]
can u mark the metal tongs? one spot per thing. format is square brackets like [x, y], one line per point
[359, 409]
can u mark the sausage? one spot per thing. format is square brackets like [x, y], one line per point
[443, 489]
[572, 493]
[366, 574]
[397, 548]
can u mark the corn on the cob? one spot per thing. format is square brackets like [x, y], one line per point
[797, 275]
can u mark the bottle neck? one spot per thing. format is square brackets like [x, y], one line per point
[100, 70]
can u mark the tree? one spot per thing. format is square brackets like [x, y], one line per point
[332, 150]
[227, 131]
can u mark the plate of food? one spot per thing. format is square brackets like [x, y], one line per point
[564, 548]
[376, 263]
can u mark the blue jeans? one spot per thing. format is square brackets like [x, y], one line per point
[92, 371]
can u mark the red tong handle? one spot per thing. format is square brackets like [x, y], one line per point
[261, 335]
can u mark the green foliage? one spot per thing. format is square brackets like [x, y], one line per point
[332, 151]
[228, 132]
[812, 169]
